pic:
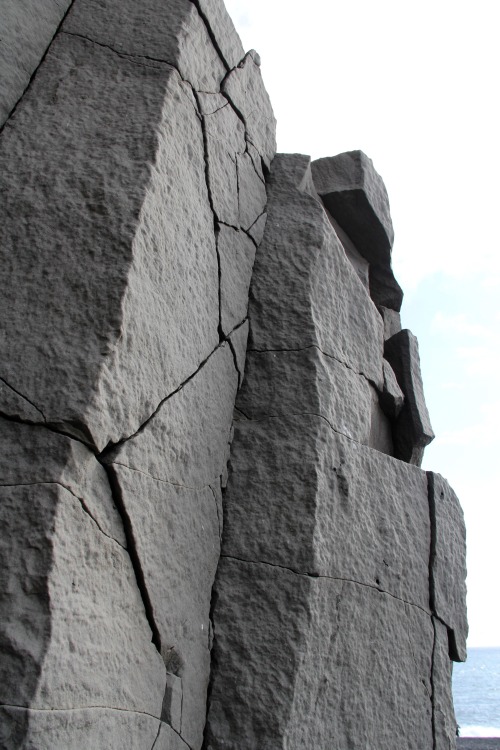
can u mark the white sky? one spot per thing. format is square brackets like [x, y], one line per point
[416, 87]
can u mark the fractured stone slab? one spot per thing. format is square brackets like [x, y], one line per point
[246, 91]
[391, 397]
[110, 260]
[222, 28]
[177, 538]
[444, 721]
[27, 31]
[252, 197]
[237, 255]
[303, 497]
[412, 431]
[448, 563]
[305, 291]
[310, 662]
[172, 32]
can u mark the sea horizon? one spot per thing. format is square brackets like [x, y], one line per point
[476, 692]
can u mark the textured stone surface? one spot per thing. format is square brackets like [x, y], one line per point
[176, 534]
[237, 255]
[301, 651]
[448, 563]
[413, 429]
[355, 195]
[27, 30]
[225, 136]
[392, 321]
[252, 196]
[384, 289]
[305, 291]
[171, 32]
[391, 397]
[360, 264]
[222, 29]
[97, 351]
[184, 443]
[238, 339]
[257, 229]
[74, 631]
[81, 729]
[444, 721]
[245, 89]
[307, 382]
[305, 498]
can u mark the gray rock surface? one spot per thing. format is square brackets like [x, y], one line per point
[251, 192]
[245, 90]
[80, 729]
[301, 652]
[391, 397]
[303, 497]
[448, 563]
[392, 321]
[236, 255]
[355, 195]
[257, 229]
[412, 431]
[384, 289]
[222, 30]
[174, 34]
[444, 721]
[305, 291]
[92, 350]
[27, 31]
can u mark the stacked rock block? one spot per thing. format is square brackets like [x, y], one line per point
[340, 596]
[134, 142]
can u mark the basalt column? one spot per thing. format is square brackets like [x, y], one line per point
[339, 597]
[134, 142]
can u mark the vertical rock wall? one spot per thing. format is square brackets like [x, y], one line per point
[136, 141]
[134, 145]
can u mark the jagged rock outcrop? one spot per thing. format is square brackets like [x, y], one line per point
[141, 201]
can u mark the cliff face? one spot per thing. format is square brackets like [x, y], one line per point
[138, 169]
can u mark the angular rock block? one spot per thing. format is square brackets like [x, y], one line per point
[172, 32]
[412, 431]
[222, 29]
[245, 90]
[355, 195]
[236, 255]
[384, 289]
[391, 398]
[392, 321]
[110, 271]
[27, 31]
[305, 291]
[313, 662]
[238, 340]
[444, 721]
[252, 195]
[448, 564]
[303, 497]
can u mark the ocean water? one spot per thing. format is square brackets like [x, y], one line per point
[476, 693]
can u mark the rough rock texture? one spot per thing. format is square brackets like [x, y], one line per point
[331, 590]
[412, 431]
[137, 159]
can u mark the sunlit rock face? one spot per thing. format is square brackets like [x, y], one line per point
[203, 378]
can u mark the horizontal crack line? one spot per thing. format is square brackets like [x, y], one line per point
[77, 497]
[164, 481]
[328, 578]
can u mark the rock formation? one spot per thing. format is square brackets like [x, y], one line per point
[138, 169]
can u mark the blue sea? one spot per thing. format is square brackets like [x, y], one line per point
[476, 692]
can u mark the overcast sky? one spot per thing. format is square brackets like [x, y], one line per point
[415, 86]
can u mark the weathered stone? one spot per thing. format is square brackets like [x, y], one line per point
[238, 341]
[303, 497]
[355, 195]
[384, 289]
[82, 728]
[256, 231]
[16, 406]
[209, 104]
[444, 721]
[237, 255]
[311, 662]
[252, 196]
[222, 28]
[392, 321]
[177, 539]
[225, 139]
[27, 31]
[380, 427]
[31, 454]
[93, 316]
[359, 263]
[412, 430]
[171, 32]
[391, 397]
[172, 703]
[448, 563]
[256, 160]
[74, 630]
[185, 441]
[304, 291]
[245, 90]
[281, 383]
